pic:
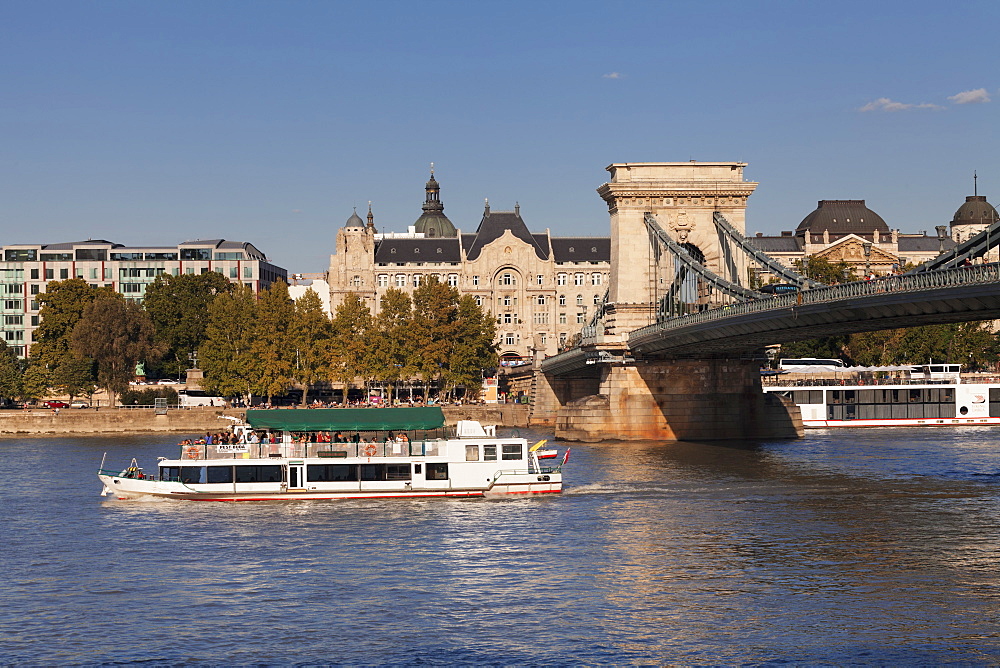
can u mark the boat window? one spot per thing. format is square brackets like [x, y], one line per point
[265, 473]
[511, 451]
[416, 468]
[397, 471]
[220, 474]
[472, 453]
[437, 471]
[331, 472]
[170, 472]
[489, 453]
[192, 474]
[373, 472]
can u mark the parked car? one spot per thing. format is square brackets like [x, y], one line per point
[167, 381]
[56, 404]
[79, 404]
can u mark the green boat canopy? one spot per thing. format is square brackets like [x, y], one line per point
[352, 419]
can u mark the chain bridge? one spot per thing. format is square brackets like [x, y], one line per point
[675, 349]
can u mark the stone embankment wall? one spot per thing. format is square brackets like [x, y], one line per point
[196, 420]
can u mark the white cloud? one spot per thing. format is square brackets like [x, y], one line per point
[612, 75]
[885, 104]
[975, 96]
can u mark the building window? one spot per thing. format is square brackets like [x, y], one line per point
[247, 272]
[507, 279]
[540, 279]
[577, 279]
[383, 280]
[234, 272]
[479, 300]
[540, 300]
[13, 320]
[453, 280]
[579, 300]
[356, 282]
[509, 339]
[475, 280]
[34, 274]
[34, 321]
[581, 318]
[416, 280]
[49, 274]
[508, 318]
[542, 318]
[400, 280]
[596, 279]
[597, 300]
[505, 300]
[560, 279]
[562, 318]
[562, 300]
[12, 304]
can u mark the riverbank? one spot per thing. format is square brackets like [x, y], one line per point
[196, 419]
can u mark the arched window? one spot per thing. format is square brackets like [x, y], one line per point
[579, 300]
[507, 278]
[562, 300]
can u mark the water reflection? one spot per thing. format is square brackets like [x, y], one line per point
[845, 547]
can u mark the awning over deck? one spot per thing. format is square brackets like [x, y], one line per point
[352, 419]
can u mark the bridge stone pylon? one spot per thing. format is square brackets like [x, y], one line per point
[683, 196]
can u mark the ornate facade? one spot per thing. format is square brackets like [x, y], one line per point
[541, 289]
[847, 230]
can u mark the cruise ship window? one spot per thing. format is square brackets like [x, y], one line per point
[472, 453]
[489, 453]
[511, 451]
[437, 471]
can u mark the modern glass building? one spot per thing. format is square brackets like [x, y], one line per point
[26, 269]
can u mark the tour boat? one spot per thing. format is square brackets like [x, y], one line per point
[929, 395]
[344, 453]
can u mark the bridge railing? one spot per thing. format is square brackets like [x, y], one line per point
[973, 275]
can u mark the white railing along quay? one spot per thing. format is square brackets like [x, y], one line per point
[950, 278]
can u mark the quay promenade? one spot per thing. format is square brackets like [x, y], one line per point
[197, 419]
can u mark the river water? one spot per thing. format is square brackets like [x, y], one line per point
[854, 546]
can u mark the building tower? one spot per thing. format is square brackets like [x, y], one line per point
[432, 222]
[351, 270]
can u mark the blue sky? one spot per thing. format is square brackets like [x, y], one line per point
[158, 122]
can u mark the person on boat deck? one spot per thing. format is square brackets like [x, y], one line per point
[339, 438]
[254, 438]
[208, 438]
[356, 438]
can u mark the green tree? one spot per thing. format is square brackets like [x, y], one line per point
[75, 377]
[63, 304]
[474, 347]
[178, 307]
[822, 270]
[227, 353]
[34, 381]
[310, 335]
[10, 373]
[349, 348]
[391, 345]
[434, 328]
[273, 355]
[115, 333]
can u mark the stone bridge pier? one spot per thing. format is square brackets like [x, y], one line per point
[712, 399]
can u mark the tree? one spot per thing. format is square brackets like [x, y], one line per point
[349, 349]
[34, 381]
[178, 307]
[391, 358]
[310, 335]
[10, 373]
[115, 333]
[227, 353]
[435, 311]
[474, 346]
[63, 304]
[273, 355]
[823, 270]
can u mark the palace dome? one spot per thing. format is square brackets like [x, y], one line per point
[354, 220]
[843, 216]
[975, 211]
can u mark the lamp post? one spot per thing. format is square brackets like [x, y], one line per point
[942, 234]
[867, 248]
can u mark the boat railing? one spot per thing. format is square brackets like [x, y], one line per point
[381, 449]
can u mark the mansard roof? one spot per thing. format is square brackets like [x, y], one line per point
[581, 249]
[493, 226]
[435, 249]
[782, 244]
[923, 243]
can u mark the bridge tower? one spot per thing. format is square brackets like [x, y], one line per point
[683, 196]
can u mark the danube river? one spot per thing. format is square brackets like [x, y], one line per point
[868, 546]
